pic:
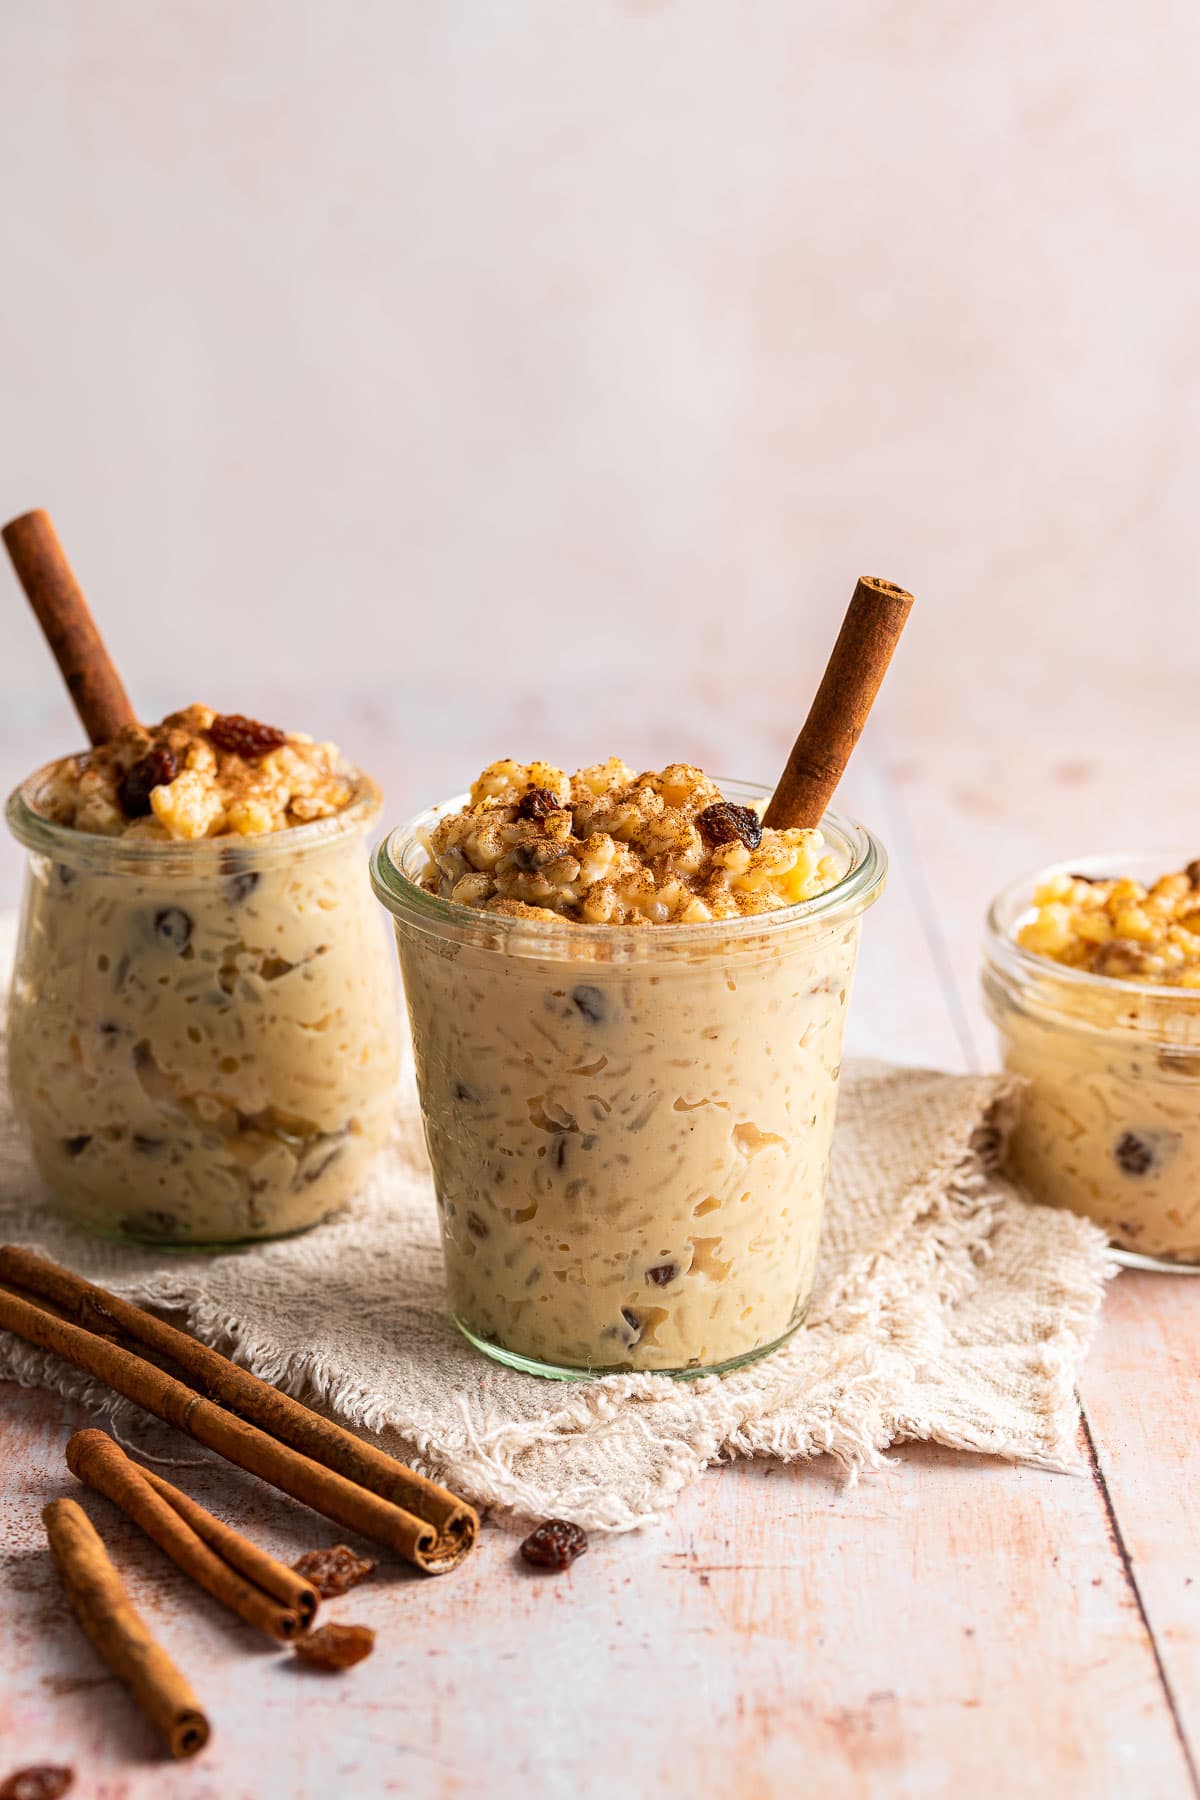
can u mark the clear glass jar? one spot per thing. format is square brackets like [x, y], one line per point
[1109, 1122]
[629, 1127]
[202, 1036]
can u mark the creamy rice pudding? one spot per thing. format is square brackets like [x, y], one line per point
[1093, 981]
[202, 1038]
[627, 1000]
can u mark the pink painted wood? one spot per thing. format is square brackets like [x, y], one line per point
[954, 1625]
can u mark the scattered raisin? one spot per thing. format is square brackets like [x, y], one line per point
[156, 769]
[335, 1570]
[44, 1782]
[336, 1646]
[664, 1273]
[590, 1002]
[1134, 1155]
[172, 928]
[723, 822]
[478, 1228]
[1193, 873]
[247, 738]
[538, 803]
[75, 1146]
[635, 1325]
[554, 1544]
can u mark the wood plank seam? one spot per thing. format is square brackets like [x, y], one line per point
[1131, 1581]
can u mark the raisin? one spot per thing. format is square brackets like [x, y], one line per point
[664, 1273]
[157, 768]
[336, 1646]
[247, 738]
[478, 1228]
[46, 1781]
[590, 1002]
[1134, 1155]
[466, 1094]
[335, 1570]
[554, 1544]
[144, 1144]
[240, 887]
[1121, 958]
[75, 1146]
[62, 877]
[538, 803]
[1193, 872]
[724, 823]
[313, 1170]
[635, 1325]
[172, 928]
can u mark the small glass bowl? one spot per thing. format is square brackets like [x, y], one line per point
[629, 1126]
[202, 1035]
[1109, 1123]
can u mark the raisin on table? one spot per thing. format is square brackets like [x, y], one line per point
[336, 1646]
[554, 1544]
[334, 1570]
[45, 1781]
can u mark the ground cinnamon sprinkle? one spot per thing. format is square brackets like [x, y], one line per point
[608, 847]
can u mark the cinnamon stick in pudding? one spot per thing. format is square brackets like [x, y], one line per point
[448, 1525]
[870, 632]
[100, 1603]
[70, 630]
[317, 1485]
[96, 1459]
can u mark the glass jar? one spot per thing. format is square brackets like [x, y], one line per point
[629, 1127]
[202, 1035]
[1109, 1121]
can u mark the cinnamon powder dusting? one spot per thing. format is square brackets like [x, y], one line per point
[607, 847]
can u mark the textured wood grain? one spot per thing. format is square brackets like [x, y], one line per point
[899, 1637]
[951, 1625]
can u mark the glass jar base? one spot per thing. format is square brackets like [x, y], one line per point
[181, 1246]
[1157, 1265]
[530, 1365]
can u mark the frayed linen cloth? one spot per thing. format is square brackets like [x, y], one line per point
[946, 1307]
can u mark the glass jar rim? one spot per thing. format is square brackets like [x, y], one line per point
[1003, 953]
[194, 857]
[856, 889]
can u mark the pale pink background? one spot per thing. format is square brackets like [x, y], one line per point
[467, 379]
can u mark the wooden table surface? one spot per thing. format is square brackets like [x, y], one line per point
[952, 1626]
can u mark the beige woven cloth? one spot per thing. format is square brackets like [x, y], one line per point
[946, 1308]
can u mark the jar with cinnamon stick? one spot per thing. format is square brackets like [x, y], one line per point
[202, 1035]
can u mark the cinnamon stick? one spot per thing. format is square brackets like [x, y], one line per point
[451, 1525]
[100, 1603]
[264, 1570]
[96, 1459]
[70, 630]
[870, 631]
[322, 1488]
